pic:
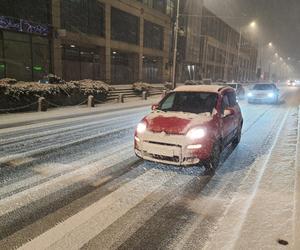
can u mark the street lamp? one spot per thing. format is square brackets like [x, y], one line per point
[270, 44]
[175, 46]
[253, 24]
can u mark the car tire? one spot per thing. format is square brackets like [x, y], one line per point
[213, 162]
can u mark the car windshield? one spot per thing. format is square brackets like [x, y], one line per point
[190, 102]
[263, 87]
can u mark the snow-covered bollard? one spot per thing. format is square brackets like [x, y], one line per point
[121, 98]
[145, 94]
[42, 104]
[91, 101]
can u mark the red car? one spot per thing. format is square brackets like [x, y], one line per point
[190, 126]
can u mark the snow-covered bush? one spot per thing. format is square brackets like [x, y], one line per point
[17, 94]
[141, 86]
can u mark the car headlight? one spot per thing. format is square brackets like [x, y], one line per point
[271, 95]
[196, 133]
[141, 128]
[250, 94]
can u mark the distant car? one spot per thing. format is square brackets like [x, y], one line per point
[264, 93]
[239, 89]
[190, 126]
[293, 83]
[290, 82]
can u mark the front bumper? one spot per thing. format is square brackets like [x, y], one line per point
[171, 149]
[262, 99]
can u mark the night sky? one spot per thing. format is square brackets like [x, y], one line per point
[278, 21]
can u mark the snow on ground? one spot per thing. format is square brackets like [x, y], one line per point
[94, 193]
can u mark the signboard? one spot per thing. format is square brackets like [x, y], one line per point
[21, 25]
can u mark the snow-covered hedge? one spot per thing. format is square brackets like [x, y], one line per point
[15, 94]
[141, 86]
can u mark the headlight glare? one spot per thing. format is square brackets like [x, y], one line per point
[250, 94]
[141, 128]
[271, 95]
[196, 133]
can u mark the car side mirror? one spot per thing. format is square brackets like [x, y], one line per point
[154, 107]
[228, 112]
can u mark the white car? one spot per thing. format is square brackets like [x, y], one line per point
[264, 93]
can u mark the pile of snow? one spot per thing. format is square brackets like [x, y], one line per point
[8, 81]
[142, 86]
[168, 85]
[89, 86]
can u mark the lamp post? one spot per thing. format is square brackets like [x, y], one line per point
[175, 45]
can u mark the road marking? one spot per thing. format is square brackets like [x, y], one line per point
[84, 226]
[27, 196]
[296, 215]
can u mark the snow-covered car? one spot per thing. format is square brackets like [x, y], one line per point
[190, 126]
[264, 93]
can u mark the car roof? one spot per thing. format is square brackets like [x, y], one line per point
[201, 88]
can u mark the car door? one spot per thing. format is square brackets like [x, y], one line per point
[228, 120]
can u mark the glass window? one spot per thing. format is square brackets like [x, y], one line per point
[124, 26]
[40, 60]
[190, 102]
[83, 63]
[232, 99]
[32, 10]
[153, 35]
[83, 15]
[225, 103]
[18, 60]
[159, 5]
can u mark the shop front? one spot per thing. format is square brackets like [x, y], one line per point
[24, 49]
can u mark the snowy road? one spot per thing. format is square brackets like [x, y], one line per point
[75, 183]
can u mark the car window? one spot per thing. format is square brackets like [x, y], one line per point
[168, 102]
[232, 99]
[225, 103]
[263, 87]
[191, 102]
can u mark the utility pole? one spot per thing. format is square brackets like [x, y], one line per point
[175, 45]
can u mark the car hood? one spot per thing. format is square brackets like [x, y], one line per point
[175, 122]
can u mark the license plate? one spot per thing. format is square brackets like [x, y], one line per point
[158, 150]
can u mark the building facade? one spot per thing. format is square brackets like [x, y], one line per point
[215, 54]
[111, 40]
[225, 55]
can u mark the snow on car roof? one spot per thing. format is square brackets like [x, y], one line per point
[199, 88]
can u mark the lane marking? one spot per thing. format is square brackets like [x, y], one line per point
[296, 213]
[35, 193]
[85, 225]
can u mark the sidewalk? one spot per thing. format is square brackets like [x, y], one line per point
[11, 120]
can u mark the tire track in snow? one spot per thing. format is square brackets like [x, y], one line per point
[242, 204]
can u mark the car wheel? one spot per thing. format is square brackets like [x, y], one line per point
[213, 162]
[238, 136]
